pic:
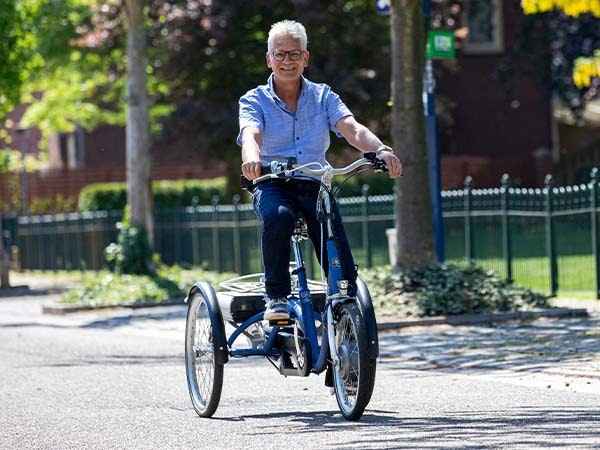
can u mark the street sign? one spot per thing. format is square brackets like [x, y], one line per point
[382, 6]
[440, 44]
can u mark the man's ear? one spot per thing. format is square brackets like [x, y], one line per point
[268, 57]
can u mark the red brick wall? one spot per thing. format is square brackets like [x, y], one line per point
[68, 183]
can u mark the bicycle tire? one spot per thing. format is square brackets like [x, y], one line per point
[204, 372]
[354, 377]
[366, 307]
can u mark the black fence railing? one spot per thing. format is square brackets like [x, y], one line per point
[545, 238]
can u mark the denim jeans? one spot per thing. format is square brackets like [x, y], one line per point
[277, 203]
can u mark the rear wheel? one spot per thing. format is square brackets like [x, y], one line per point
[204, 374]
[354, 376]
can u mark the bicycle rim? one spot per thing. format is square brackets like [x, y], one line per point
[352, 376]
[205, 377]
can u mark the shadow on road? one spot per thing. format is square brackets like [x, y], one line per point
[522, 427]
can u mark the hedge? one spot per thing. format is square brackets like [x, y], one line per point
[167, 194]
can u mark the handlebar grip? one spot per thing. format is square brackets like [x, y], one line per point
[247, 184]
[378, 164]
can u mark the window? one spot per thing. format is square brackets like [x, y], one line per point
[71, 149]
[485, 23]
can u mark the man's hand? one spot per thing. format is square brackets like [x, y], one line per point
[251, 169]
[392, 162]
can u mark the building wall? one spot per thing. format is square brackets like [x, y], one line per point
[494, 114]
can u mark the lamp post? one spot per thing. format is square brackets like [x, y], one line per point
[22, 131]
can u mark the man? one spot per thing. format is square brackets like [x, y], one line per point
[291, 116]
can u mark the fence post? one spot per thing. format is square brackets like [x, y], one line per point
[506, 241]
[194, 231]
[215, 234]
[550, 245]
[594, 206]
[468, 224]
[237, 250]
[365, 225]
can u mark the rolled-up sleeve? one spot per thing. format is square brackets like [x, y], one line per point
[250, 114]
[336, 110]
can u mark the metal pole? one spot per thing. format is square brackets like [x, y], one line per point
[433, 146]
[550, 245]
[215, 234]
[365, 225]
[24, 187]
[237, 249]
[468, 227]
[506, 241]
[594, 217]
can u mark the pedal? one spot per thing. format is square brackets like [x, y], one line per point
[329, 376]
[280, 322]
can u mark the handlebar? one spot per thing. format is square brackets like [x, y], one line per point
[285, 169]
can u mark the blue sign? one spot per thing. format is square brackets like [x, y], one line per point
[382, 6]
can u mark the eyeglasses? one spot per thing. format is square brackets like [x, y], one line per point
[294, 55]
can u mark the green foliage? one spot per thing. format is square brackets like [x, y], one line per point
[167, 194]
[11, 161]
[102, 196]
[174, 194]
[168, 283]
[378, 185]
[49, 205]
[445, 289]
[16, 45]
[132, 253]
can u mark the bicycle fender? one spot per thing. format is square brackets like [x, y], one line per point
[214, 310]
[366, 306]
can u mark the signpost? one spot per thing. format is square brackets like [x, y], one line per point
[382, 6]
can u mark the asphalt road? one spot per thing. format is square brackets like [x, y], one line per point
[116, 380]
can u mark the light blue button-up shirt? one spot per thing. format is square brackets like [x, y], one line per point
[303, 134]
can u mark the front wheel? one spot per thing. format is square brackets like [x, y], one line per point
[354, 376]
[204, 373]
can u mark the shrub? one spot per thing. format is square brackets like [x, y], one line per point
[379, 184]
[132, 253]
[102, 197]
[446, 289]
[167, 194]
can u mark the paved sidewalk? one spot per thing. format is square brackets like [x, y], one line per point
[567, 346]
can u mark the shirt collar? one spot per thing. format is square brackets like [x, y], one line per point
[271, 87]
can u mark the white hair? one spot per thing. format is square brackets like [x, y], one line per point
[287, 28]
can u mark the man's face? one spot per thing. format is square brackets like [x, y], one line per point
[287, 60]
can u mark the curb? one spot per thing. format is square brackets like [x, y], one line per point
[465, 319]
[486, 318]
[60, 309]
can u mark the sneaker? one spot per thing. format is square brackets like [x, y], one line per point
[277, 309]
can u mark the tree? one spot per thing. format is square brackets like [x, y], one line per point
[138, 160]
[413, 203]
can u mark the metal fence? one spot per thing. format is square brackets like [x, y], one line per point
[219, 237]
[544, 238]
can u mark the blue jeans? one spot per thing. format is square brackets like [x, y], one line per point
[276, 203]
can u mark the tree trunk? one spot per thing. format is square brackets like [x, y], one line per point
[139, 164]
[414, 228]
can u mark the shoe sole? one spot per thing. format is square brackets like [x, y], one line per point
[277, 316]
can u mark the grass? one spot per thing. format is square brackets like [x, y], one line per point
[576, 273]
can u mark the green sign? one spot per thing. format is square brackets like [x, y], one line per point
[440, 44]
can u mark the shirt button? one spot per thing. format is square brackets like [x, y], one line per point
[300, 153]
[297, 138]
